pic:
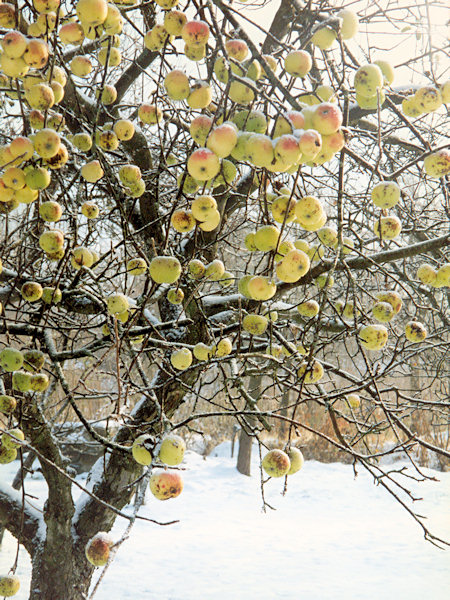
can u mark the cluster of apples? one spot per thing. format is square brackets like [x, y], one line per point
[203, 212]
[369, 82]
[437, 278]
[9, 585]
[25, 367]
[386, 195]
[9, 442]
[426, 99]
[163, 484]
[277, 463]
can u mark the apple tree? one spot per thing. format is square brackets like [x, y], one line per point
[196, 194]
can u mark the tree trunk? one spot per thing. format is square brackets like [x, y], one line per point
[244, 458]
[63, 577]
[245, 452]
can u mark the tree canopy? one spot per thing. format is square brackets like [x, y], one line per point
[199, 194]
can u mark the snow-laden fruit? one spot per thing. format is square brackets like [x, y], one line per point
[201, 351]
[98, 548]
[276, 463]
[383, 312]
[172, 450]
[12, 438]
[415, 331]
[392, 297]
[181, 359]
[266, 238]
[142, 449]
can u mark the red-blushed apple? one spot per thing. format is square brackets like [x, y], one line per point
[310, 144]
[195, 33]
[50, 211]
[222, 139]
[327, 118]
[150, 114]
[236, 49]
[287, 149]
[98, 549]
[14, 44]
[199, 128]
[166, 484]
[392, 297]
[71, 33]
[36, 54]
[203, 164]
[276, 463]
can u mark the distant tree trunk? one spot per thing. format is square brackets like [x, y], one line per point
[284, 424]
[245, 440]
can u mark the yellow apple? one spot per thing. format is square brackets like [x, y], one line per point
[276, 463]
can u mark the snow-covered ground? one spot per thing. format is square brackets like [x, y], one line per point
[332, 537]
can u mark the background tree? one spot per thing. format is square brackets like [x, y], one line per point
[307, 244]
